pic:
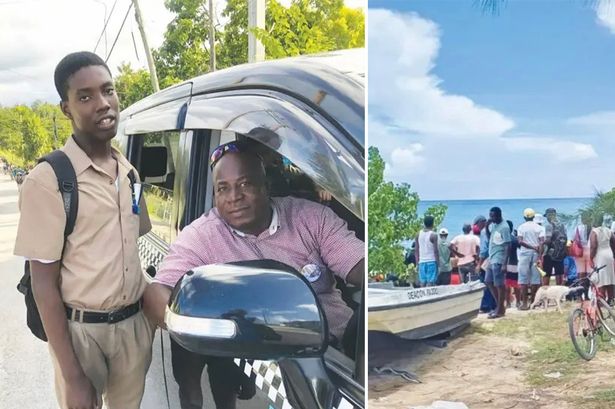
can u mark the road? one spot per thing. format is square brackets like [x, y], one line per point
[26, 373]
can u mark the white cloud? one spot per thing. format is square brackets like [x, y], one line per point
[596, 119]
[36, 34]
[402, 53]
[554, 148]
[42, 32]
[405, 162]
[605, 12]
[597, 124]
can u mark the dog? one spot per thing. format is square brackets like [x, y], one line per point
[552, 292]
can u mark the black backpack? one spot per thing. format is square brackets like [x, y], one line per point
[67, 182]
[558, 249]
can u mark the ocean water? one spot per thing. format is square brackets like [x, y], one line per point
[464, 211]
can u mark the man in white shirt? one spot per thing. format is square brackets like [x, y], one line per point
[467, 244]
[531, 237]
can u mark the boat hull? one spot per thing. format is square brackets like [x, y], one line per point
[426, 313]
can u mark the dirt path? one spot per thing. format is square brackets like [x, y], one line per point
[497, 365]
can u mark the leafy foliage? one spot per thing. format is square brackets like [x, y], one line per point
[27, 133]
[55, 123]
[392, 218]
[603, 203]
[184, 54]
[233, 49]
[132, 86]
[310, 26]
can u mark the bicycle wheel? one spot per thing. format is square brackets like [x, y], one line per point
[582, 335]
[606, 314]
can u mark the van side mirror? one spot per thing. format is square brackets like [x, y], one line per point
[153, 161]
[259, 309]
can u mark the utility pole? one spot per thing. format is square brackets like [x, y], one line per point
[212, 38]
[153, 76]
[256, 19]
[148, 52]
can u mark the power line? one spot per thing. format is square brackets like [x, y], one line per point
[134, 43]
[105, 26]
[119, 32]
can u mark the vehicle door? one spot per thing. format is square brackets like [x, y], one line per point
[179, 136]
[323, 152]
[169, 162]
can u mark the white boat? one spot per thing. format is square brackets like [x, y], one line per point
[419, 313]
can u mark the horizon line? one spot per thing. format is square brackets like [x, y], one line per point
[501, 198]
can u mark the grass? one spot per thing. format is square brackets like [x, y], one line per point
[599, 399]
[550, 348]
[606, 395]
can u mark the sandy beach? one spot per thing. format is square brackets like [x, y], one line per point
[524, 361]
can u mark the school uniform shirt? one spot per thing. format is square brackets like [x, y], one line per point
[100, 267]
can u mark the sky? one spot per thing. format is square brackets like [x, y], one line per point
[471, 105]
[36, 34]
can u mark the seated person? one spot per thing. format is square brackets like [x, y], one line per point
[247, 224]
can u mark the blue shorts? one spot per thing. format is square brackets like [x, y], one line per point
[495, 275]
[528, 272]
[428, 272]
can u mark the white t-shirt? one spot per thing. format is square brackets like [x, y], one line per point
[466, 245]
[530, 233]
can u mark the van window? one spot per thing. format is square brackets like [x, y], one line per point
[158, 190]
[285, 178]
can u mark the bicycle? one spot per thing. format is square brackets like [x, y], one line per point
[591, 317]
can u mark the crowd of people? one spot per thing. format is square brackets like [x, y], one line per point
[16, 173]
[514, 262]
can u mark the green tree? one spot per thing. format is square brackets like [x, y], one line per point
[11, 140]
[603, 203]
[132, 86]
[56, 125]
[310, 26]
[28, 133]
[36, 141]
[392, 218]
[233, 49]
[306, 26]
[184, 54]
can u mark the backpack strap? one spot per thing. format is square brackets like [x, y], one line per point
[67, 182]
[132, 178]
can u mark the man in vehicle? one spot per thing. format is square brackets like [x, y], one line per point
[88, 290]
[247, 224]
[531, 237]
[427, 253]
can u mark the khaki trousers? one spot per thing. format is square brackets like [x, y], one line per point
[115, 357]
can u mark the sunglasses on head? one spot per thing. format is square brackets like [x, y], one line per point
[235, 147]
[219, 152]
